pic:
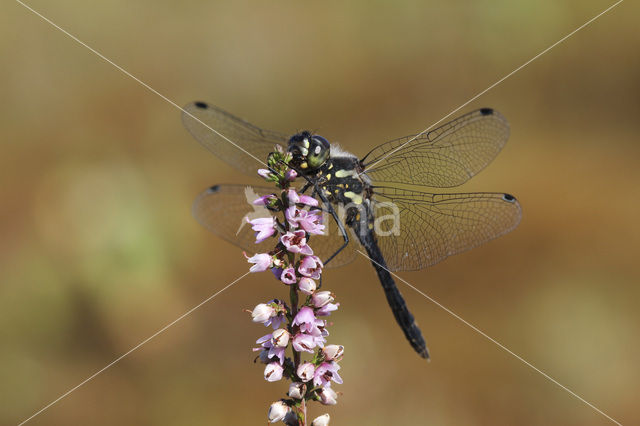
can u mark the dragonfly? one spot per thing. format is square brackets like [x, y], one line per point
[387, 183]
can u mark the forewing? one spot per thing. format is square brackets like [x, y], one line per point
[239, 143]
[224, 210]
[444, 157]
[432, 227]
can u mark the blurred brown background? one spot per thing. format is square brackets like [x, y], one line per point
[98, 249]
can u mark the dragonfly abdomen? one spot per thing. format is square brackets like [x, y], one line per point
[398, 306]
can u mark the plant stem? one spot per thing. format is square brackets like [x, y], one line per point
[303, 410]
[293, 295]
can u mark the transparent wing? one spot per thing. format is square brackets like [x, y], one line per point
[224, 209]
[241, 144]
[432, 227]
[444, 157]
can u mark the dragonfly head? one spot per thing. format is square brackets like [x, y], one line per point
[309, 151]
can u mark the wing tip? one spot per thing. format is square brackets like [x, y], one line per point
[490, 112]
[509, 198]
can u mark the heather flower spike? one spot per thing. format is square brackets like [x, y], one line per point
[296, 349]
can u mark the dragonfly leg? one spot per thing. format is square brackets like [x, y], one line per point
[305, 187]
[330, 209]
[333, 213]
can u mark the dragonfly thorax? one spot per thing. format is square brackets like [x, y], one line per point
[309, 151]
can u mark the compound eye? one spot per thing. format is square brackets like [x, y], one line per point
[321, 141]
[318, 151]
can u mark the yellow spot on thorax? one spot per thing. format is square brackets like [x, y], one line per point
[344, 173]
[356, 198]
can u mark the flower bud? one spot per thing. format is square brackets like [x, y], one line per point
[297, 390]
[265, 200]
[333, 352]
[328, 396]
[265, 173]
[307, 285]
[321, 298]
[322, 420]
[278, 411]
[273, 372]
[262, 313]
[291, 175]
[281, 338]
[305, 371]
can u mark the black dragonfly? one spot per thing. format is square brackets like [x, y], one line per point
[400, 228]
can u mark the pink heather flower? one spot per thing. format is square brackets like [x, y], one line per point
[296, 242]
[304, 342]
[292, 215]
[261, 261]
[311, 266]
[306, 285]
[327, 309]
[263, 313]
[309, 201]
[309, 221]
[322, 420]
[280, 338]
[307, 321]
[328, 396]
[291, 175]
[333, 352]
[319, 339]
[295, 198]
[264, 227]
[321, 298]
[288, 276]
[326, 372]
[265, 200]
[273, 372]
[297, 390]
[305, 371]
[269, 350]
[278, 411]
